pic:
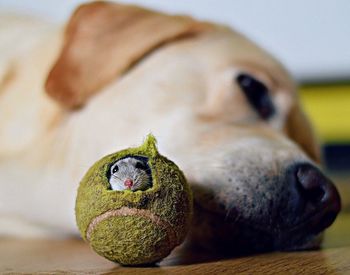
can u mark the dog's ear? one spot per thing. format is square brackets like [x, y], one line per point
[299, 129]
[102, 40]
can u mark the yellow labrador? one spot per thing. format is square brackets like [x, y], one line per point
[222, 108]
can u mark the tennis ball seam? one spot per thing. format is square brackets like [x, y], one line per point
[126, 211]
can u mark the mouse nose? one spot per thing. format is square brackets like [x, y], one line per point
[128, 183]
[319, 194]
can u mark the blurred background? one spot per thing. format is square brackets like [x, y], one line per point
[311, 38]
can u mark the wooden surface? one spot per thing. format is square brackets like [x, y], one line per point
[75, 257]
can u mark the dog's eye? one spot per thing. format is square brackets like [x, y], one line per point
[115, 169]
[257, 95]
[141, 165]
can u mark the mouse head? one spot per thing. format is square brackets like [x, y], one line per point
[130, 173]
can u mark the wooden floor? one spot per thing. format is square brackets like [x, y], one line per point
[75, 257]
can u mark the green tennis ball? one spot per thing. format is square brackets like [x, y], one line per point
[134, 227]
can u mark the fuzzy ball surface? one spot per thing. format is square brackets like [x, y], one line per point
[140, 227]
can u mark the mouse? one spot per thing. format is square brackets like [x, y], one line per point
[130, 173]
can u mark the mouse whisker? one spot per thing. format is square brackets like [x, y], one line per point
[114, 176]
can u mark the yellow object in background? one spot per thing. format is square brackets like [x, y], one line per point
[328, 107]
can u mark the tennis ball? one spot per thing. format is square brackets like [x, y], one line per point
[134, 227]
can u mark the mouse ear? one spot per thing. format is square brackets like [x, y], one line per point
[102, 40]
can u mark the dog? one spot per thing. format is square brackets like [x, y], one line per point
[222, 108]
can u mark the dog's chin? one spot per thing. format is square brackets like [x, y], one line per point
[297, 240]
[237, 237]
[306, 235]
[309, 242]
[255, 240]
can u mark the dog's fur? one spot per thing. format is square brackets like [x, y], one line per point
[118, 73]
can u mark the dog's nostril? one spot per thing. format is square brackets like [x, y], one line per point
[311, 182]
[314, 185]
[316, 195]
[317, 189]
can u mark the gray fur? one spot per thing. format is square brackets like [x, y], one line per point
[127, 170]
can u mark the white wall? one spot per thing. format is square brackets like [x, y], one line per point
[311, 37]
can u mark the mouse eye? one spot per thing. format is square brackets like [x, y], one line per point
[141, 165]
[257, 95]
[115, 169]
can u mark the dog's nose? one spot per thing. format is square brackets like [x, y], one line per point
[319, 194]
